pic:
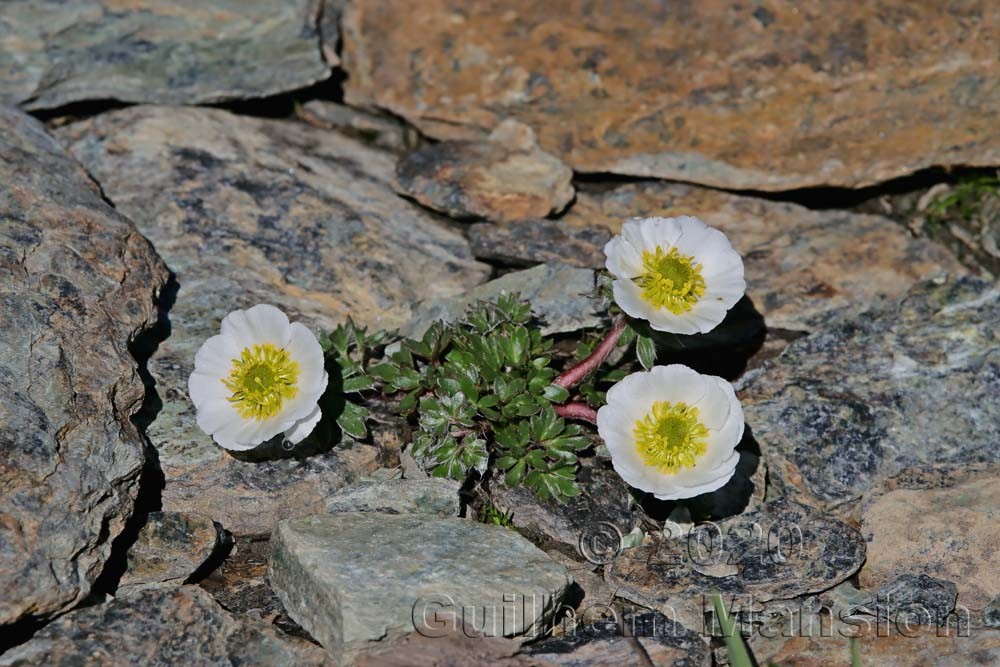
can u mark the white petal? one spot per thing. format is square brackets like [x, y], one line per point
[262, 323]
[622, 259]
[215, 356]
[628, 296]
[204, 387]
[725, 473]
[302, 428]
[215, 415]
[305, 350]
[682, 323]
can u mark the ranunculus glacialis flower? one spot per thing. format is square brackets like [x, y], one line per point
[261, 377]
[672, 431]
[678, 273]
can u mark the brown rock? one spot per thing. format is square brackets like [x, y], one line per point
[77, 284]
[800, 264]
[768, 97]
[506, 177]
[374, 129]
[53, 53]
[170, 548]
[946, 526]
[161, 626]
[456, 648]
[247, 211]
[527, 242]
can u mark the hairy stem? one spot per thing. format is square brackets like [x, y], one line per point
[574, 376]
[577, 411]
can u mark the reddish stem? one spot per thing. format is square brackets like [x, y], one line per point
[577, 411]
[573, 376]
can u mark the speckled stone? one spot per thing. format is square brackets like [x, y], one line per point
[604, 501]
[561, 297]
[170, 548]
[927, 600]
[908, 382]
[161, 626]
[434, 496]
[943, 523]
[779, 552]
[164, 51]
[800, 264]
[528, 242]
[632, 639]
[245, 211]
[505, 177]
[363, 581]
[763, 96]
[77, 287]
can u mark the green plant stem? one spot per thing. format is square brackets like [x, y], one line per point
[738, 654]
[575, 375]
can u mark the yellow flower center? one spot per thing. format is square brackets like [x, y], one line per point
[670, 437]
[670, 280]
[263, 377]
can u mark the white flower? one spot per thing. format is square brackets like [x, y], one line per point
[678, 273]
[260, 377]
[672, 431]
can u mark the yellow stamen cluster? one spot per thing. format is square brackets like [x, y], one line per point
[671, 280]
[670, 437]
[262, 379]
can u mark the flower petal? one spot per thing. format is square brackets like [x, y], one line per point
[302, 428]
[262, 323]
[622, 259]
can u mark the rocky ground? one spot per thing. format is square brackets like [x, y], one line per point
[163, 163]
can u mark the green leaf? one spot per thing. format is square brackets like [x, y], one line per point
[645, 350]
[556, 393]
[385, 372]
[738, 654]
[515, 474]
[352, 420]
[358, 383]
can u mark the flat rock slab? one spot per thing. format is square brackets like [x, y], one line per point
[163, 51]
[528, 242]
[77, 285]
[779, 552]
[505, 177]
[170, 548]
[946, 526]
[916, 381]
[561, 298]
[742, 96]
[801, 264]
[161, 626]
[247, 211]
[434, 496]
[646, 638]
[363, 581]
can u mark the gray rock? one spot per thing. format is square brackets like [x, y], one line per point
[247, 211]
[561, 298]
[177, 52]
[991, 615]
[904, 383]
[170, 548]
[161, 626]
[647, 638]
[364, 581]
[373, 129]
[604, 504]
[434, 496]
[779, 552]
[529, 242]
[505, 177]
[77, 285]
[921, 599]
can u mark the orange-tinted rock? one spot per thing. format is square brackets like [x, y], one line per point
[772, 95]
[503, 178]
[801, 264]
